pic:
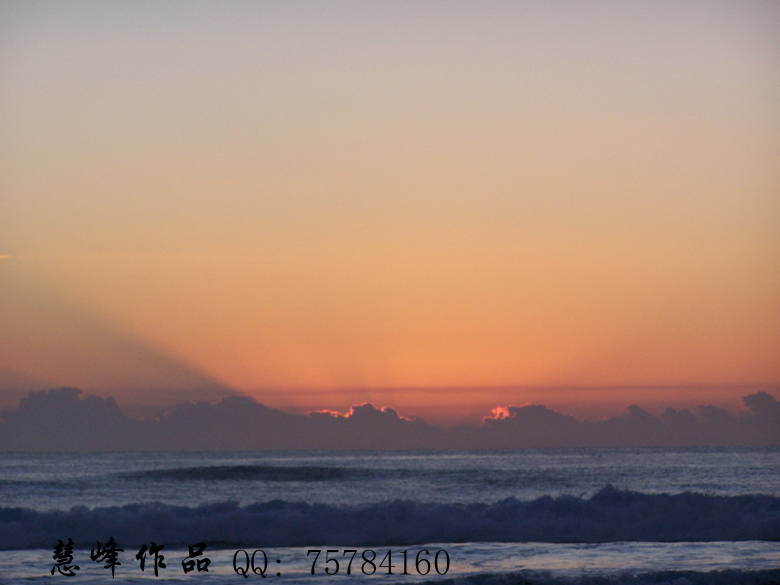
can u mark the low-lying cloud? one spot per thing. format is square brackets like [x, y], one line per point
[63, 420]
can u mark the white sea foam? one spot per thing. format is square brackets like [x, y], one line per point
[719, 563]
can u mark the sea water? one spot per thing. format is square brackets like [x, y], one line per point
[528, 516]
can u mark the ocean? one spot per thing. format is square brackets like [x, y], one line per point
[678, 516]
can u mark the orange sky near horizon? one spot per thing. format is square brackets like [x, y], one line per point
[331, 201]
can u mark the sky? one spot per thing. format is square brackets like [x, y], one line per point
[442, 206]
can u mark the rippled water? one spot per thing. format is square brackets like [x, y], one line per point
[314, 497]
[45, 481]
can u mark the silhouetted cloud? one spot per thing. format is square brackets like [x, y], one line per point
[57, 420]
[61, 420]
[368, 427]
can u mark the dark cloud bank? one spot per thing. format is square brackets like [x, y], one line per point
[60, 420]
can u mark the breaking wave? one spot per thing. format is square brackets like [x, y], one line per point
[611, 515]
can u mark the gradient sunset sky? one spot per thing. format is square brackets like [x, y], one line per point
[438, 206]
